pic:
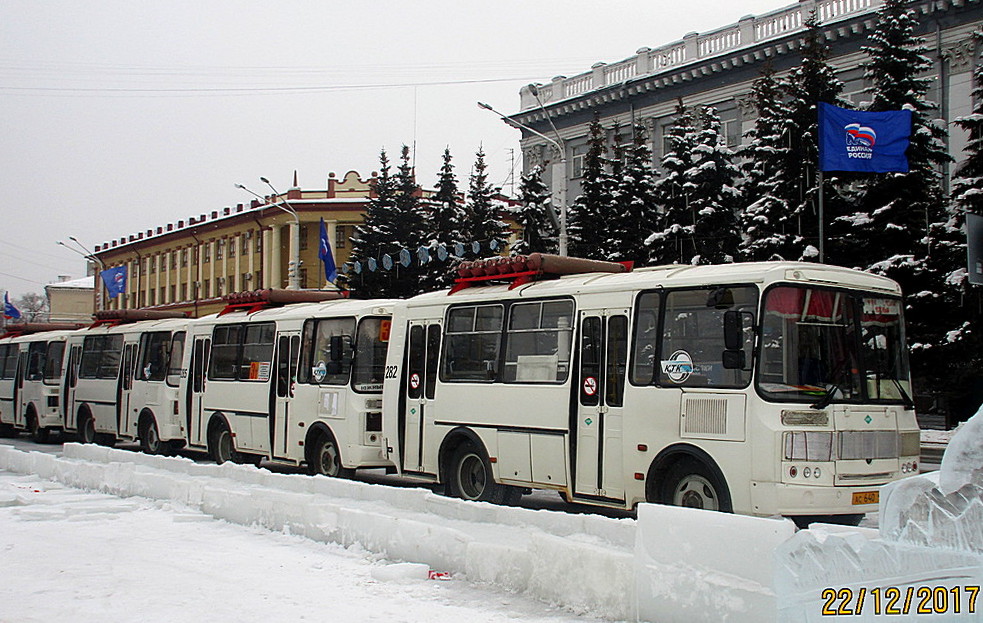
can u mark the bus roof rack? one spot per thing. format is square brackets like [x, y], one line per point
[116, 317]
[255, 300]
[523, 269]
[26, 328]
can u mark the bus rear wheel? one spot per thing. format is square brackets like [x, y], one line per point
[87, 430]
[470, 478]
[222, 445]
[325, 458]
[690, 483]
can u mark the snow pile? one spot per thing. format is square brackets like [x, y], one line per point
[931, 534]
[582, 562]
[699, 566]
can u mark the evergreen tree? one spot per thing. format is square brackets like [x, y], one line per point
[587, 216]
[408, 230]
[635, 212]
[767, 218]
[714, 197]
[538, 232]
[672, 241]
[445, 216]
[809, 83]
[373, 237]
[485, 226]
[897, 216]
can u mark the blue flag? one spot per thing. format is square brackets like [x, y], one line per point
[9, 311]
[115, 280]
[869, 142]
[330, 269]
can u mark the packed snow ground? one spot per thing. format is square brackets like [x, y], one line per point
[72, 555]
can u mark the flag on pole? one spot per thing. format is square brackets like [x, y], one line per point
[330, 269]
[868, 142]
[9, 311]
[115, 280]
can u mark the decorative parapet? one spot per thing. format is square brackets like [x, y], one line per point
[694, 46]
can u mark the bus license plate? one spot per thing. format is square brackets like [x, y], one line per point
[866, 497]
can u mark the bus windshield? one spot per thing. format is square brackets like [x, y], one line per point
[827, 345]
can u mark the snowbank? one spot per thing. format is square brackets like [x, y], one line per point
[930, 535]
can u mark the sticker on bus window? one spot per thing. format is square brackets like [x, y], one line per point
[259, 371]
[384, 329]
[882, 307]
[319, 372]
[678, 367]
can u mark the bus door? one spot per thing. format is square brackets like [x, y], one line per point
[600, 400]
[71, 380]
[420, 383]
[123, 389]
[282, 391]
[22, 363]
[197, 369]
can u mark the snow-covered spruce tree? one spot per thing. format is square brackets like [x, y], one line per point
[959, 357]
[587, 216]
[373, 237]
[714, 197]
[635, 213]
[672, 241]
[807, 84]
[767, 217]
[898, 215]
[538, 232]
[408, 230]
[484, 225]
[445, 217]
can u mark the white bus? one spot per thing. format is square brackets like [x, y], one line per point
[122, 377]
[760, 388]
[299, 384]
[30, 378]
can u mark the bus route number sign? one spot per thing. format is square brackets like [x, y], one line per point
[590, 386]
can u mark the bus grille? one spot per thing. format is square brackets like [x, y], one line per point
[873, 444]
[706, 415]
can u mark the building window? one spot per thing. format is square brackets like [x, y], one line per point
[206, 252]
[259, 280]
[152, 265]
[245, 242]
[163, 296]
[173, 255]
[184, 258]
[303, 278]
[207, 288]
[259, 242]
[184, 292]
[340, 236]
[173, 294]
[246, 282]
[232, 247]
[579, 153]
[303, 237]
[218, 249]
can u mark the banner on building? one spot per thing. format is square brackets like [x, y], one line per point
[327, 257]
[867, 142]
[115, 280]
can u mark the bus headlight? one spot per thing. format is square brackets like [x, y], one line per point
[808, 446]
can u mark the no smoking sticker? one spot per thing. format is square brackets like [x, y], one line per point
[590, 386]
[415, 380]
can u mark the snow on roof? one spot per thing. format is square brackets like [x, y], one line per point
[81, 282]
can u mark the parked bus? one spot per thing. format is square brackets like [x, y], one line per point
[122, 377]
[298, 384]
[30, 378]
[759, 388]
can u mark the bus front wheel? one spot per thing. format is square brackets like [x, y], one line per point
[692, 484]
[149, 436]
[38, 433]
[326, 458]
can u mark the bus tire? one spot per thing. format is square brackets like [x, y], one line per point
[150, 441]
[87, 428]
[38, 434]
[221, 445]
[325, 458]
[470, 477]
[689, 482]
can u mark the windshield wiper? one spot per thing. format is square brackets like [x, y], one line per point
[905, 398]
[823, 402]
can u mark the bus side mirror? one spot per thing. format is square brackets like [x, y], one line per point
[336, 348]
[733, 330]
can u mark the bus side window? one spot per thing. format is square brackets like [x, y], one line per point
[645, 345]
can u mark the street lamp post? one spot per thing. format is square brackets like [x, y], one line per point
[89, 255]
[293, 273]
[559, 169]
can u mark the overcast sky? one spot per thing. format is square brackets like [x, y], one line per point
[117, 117]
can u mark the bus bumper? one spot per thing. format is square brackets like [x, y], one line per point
[769, 499]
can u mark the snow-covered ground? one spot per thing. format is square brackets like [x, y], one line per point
[68, 554]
